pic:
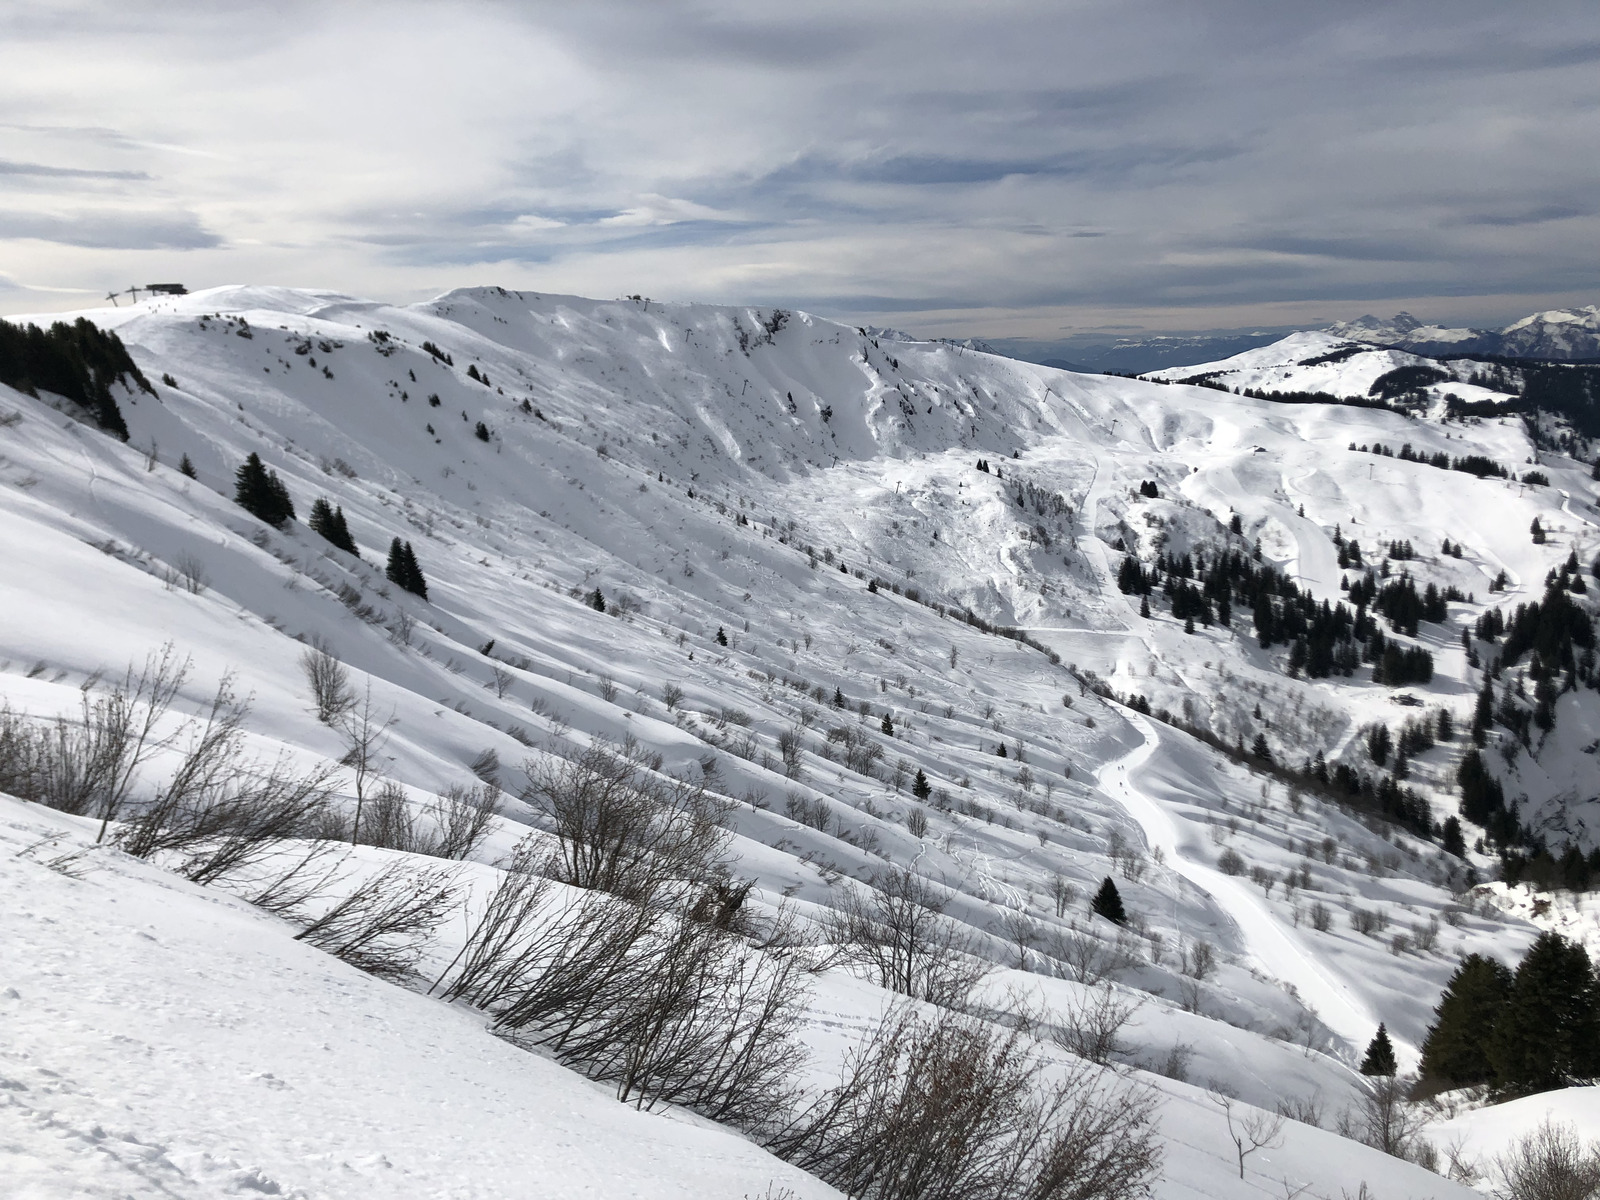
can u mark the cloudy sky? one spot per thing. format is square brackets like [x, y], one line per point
[1033, 169]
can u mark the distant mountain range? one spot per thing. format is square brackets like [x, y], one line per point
[1559, 333]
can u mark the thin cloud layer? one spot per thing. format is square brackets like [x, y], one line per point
[1025, 169]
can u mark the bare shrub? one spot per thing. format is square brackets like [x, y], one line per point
[1364, 921]
[957, 1109]
[671, 696]
[365, 736]
[1063, 893]
[1086, 958]
[806, 810]
[917, 823]
[1199, 960]
[623, 828]
[384, 924]
[463, 816]
[608, 689]
[897, 930]
[220, 812]
[500, 681]
[329, 680]
[671, 1010]
[1551, 1163]
[789, 747]
[1384, 1120]
[1321, 917]
[1231, 862]
[87, 766]
[486, 766]
[1091, 1024]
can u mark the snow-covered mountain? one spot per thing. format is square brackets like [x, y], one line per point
[830, 560]
[1558, 333]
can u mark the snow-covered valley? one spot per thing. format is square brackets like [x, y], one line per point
[832, 566]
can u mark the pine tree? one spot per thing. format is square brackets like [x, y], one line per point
[1260, 749]
[186, 467]
[887, 725]
[403, 571]
[1538, 532]
[1144, 606]
[722, 636]
[920, 787]
[261, 493]
[1547, 1033]
[416, 583]
[1455, 1052]
[1380, 1054]
[1107, 903]
[1451, 840]
[597, 601]
[838, 697]
[329, 522]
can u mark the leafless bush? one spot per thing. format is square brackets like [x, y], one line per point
[806, 810]
[287, 880]
[917, 823]
[187, 574]
[87, 766]
[1250, 1129]
[500, 681]
[789, 747]
[486, 766]
[401, 626]
[383, 925]
[1063, 893]
[608, 689]
[671, 1010]
[1551, 1163]
[1091, 1024]
[1384, 1120]
[1364, 921]
[1086, 958]
[1321, 917]
[1305, 1109]
[463, 816]
[1231, 862]
[897, 930]
[623, 828]
[671, 696]
[960, 1110]
[1199, 960]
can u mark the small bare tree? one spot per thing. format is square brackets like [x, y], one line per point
[1092, 1024]
[385, 923]
[365, 736]
[1250, 1129]
[500, 681]
[329, 680]
[1551, 1163]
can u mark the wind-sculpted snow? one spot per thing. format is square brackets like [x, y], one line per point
[788, 526]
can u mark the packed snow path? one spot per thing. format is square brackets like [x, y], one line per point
[1276, 949]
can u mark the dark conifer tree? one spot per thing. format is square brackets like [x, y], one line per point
[1380, 1054]
[1107, 903]
[186, 466]
[1451, 839]
[887, 725]
[329, 522]
[1455, 1052]
[403, 570]
[920, 787]
[838, 697]
[1547, 1033]
[722, 636]
[260, 492]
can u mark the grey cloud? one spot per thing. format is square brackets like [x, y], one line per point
[8, 167]
[111, 230]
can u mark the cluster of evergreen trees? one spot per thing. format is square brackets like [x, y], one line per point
[1324, 639]
[1523, 1032]
[261, 493]
[1472, 464]
[402, 569]
[329, 522]
[79, 361]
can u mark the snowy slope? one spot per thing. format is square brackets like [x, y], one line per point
[713, 468]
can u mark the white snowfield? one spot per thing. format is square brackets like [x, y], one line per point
[744, 472]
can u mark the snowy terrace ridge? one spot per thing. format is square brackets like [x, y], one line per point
[744, 543]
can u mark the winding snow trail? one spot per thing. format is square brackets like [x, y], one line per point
[1275, 948]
